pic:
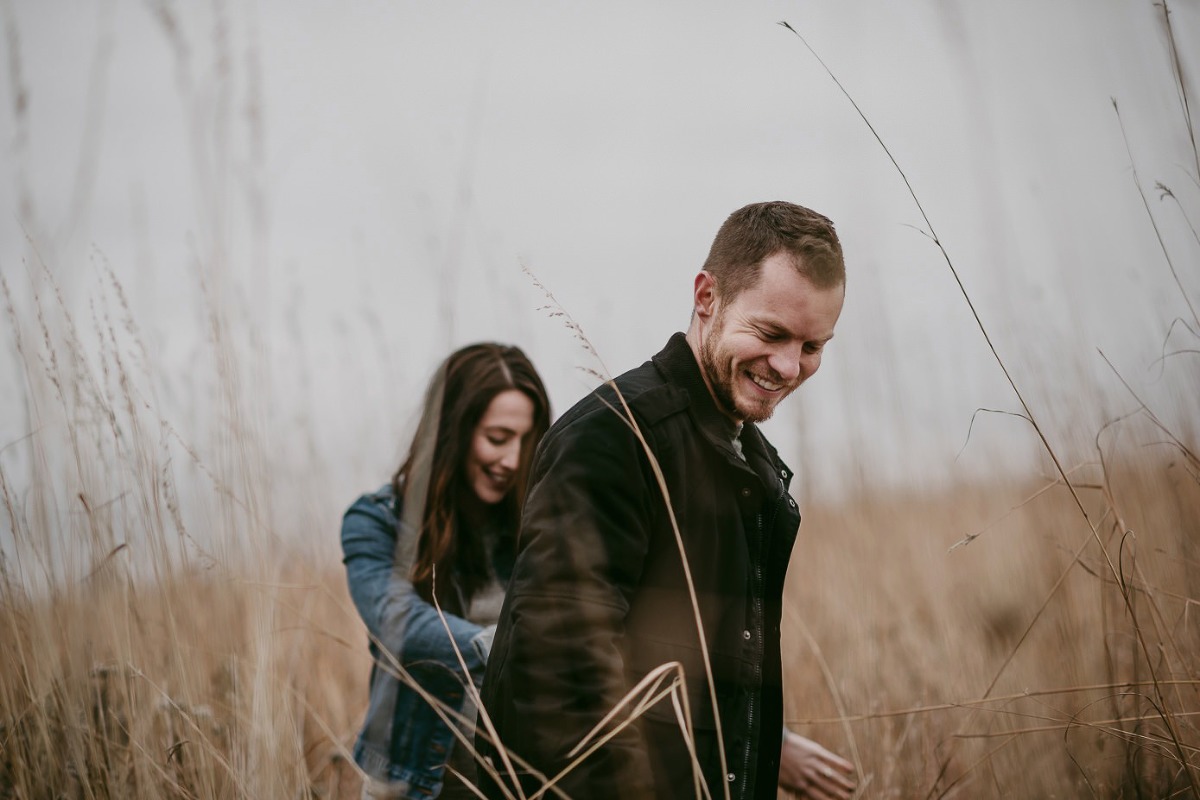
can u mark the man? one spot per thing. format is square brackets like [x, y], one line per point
[671, 461]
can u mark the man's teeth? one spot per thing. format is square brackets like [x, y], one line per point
[770, 387]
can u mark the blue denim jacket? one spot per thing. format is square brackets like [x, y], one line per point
[403, 741]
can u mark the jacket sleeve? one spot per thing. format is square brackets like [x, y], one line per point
[557, 666]
[395, 615]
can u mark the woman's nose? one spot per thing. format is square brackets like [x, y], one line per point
[511, 457]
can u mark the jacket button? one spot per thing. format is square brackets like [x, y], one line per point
[783, 474]
[746, 491]
[791, 502]
[746, 635]
[730, 777]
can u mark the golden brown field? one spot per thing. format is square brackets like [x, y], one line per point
[1009, 667]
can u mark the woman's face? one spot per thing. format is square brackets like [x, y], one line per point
[495, 452]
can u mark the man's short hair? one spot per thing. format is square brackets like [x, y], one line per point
[760, 230]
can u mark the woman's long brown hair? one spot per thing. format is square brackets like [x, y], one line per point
[472, 377]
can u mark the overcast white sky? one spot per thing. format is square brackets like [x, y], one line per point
[343, 174]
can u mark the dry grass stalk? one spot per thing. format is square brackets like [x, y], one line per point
[1148, 652]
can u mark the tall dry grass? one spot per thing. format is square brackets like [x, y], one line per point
[160, 638]
[964, 642]
[900, 638]
[247, 679]
[1145, 671]
[144, 659]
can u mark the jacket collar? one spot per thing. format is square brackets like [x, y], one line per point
[678, 365]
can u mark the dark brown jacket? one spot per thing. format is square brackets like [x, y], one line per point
[599, 598]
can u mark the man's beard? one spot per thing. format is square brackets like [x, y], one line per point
[719, 371]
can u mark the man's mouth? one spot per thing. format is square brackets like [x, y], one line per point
[763, 383]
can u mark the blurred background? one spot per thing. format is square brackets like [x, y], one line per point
[236, 238]
[355, 191]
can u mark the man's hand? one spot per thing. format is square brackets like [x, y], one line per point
[808, 770]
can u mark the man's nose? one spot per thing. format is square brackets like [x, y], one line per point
[787, 363]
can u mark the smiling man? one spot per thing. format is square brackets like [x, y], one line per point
[663, 466]
[756, 346]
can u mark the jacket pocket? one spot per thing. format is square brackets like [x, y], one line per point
[646, 655]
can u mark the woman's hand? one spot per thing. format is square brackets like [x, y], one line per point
[808, 770]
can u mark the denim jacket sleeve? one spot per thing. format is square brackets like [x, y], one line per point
[395, 615]
[404, 742]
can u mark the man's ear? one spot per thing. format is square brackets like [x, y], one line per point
[704, 295]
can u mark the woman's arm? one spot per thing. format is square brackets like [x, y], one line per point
[397, 619]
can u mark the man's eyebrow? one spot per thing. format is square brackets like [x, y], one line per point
[767, 321]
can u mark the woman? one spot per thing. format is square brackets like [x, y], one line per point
[440, 535]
